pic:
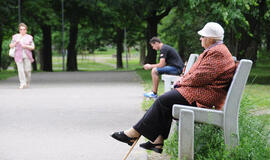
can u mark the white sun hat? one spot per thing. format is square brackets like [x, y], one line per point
[213, 30]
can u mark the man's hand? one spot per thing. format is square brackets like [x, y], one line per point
[147, 66]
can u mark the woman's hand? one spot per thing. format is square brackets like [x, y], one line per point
[30, 47]
[177, 83]
[24, 46]
[12, 45]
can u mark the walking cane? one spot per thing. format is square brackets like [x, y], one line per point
[131, 148]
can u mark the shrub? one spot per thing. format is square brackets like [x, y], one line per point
[5, 59]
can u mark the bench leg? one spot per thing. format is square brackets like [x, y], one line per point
[231, 135]
[186, 135]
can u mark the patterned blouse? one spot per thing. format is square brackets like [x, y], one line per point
[209, 78]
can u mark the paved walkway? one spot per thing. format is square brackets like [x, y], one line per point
[69, 116]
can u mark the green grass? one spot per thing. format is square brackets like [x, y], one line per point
[6, 74]
[87, 63]
[265, 118]
[133, 63]
[259, 95]
[146, 77]
[108, 51]
[84, 64]
[260, 74]
[87, 66]
[101, 62]
[147, 83]
[111, 51]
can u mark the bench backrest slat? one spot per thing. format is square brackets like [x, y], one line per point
[191, 60]
[234, 95]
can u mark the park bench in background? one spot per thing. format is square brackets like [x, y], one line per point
[227, 118]
[169, 79]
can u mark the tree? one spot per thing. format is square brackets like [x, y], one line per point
[122, 20]
[152, 12]
[8, 21]
[86, 11]
[252, 42]
[179, 30]
[244, 23]
[43, 19]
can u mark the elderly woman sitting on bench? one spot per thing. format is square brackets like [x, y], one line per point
[205, 85]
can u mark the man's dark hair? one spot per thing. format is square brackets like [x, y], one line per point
[154, 40]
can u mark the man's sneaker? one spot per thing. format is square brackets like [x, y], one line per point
[150, 95]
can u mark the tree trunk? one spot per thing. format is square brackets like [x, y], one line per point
[1, 41]
[142, 52]
[255, 23]
[72, 53]
[231, 42]
[251, 43]
[268, 42]
[152, 25]
[251, 51]
[120, 48]
[34, 64]
[235, 52]
[46, 54]
[181, 47]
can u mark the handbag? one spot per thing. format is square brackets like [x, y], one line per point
[11, 52]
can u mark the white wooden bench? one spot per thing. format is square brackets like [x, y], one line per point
[227, 118]
[169, 79]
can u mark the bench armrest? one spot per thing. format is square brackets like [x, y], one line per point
[167, 77]
[168, 80]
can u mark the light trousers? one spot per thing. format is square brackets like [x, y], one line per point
[24, 71]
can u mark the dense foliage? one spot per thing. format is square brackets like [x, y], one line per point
[92, 24]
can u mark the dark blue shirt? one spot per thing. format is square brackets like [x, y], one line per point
[171, 56]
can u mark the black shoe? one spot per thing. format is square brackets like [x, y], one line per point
[121, 136]
[150, 146]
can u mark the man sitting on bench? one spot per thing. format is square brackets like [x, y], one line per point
[170, 63]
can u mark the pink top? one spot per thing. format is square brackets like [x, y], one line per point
[26, 40]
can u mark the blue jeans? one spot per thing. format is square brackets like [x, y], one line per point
[169, 70]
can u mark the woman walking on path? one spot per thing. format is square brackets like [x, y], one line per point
[24, 45]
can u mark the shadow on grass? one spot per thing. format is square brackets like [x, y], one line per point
[255, 79]
[259, 75]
